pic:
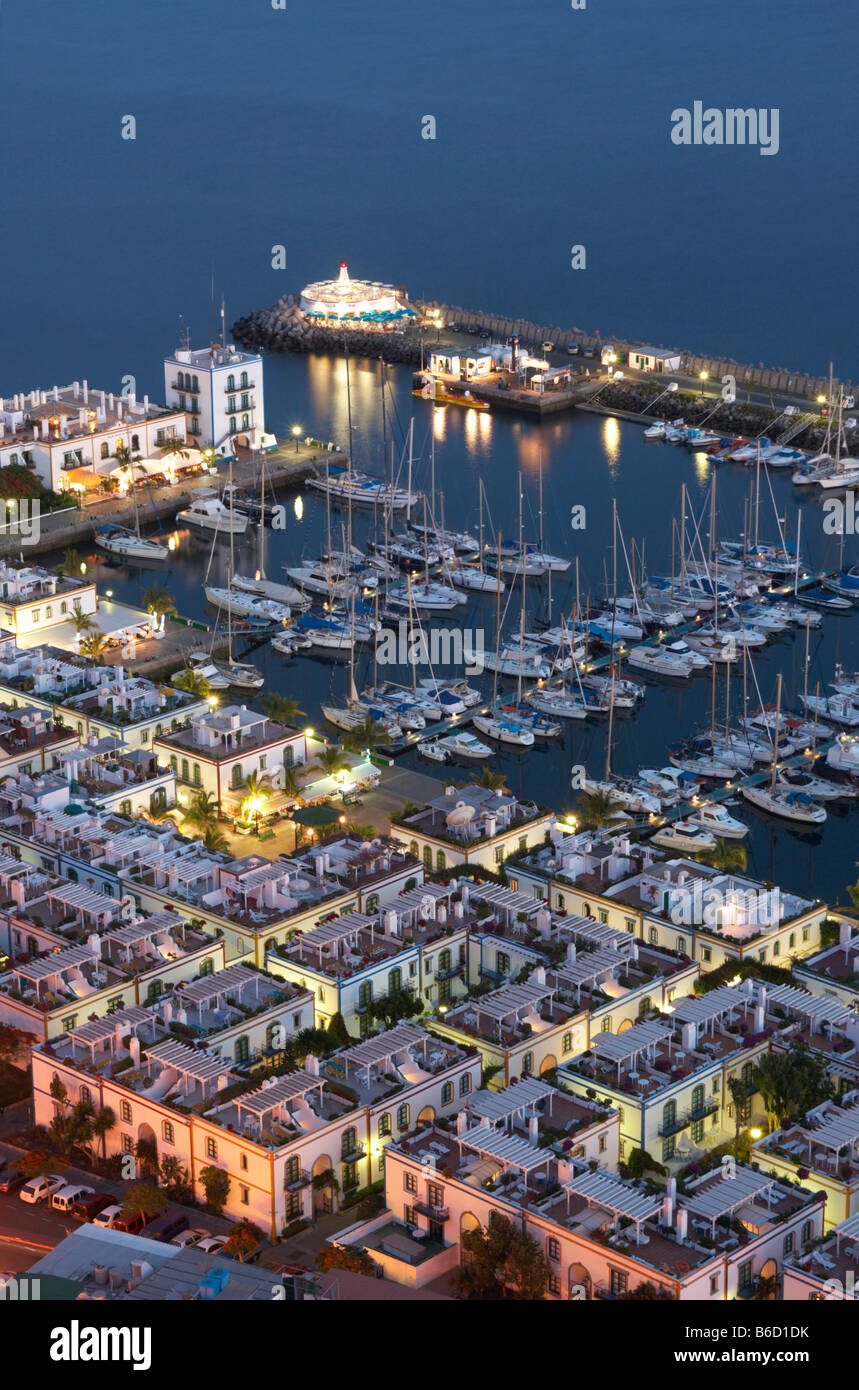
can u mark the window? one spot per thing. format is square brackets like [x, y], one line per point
[365, 994]
[630, 925]
[805, 933]
[444, 962]
[706, 955]
[348, 1142]
[197, 778]
[243, 1162]
[125, 1111]
[653, 936]
[447, 1093]
[791, 941]
[395, 980]
[185, 777]
[527, 1062]
[237, 776]
[70, 1022]
[605, 1025]
[244, 1195]
[167, 1131]
[127, 1144]
[384, 1125]
[435, 1195]
[603, 1143]
[243, 1048]
[211, 1148]
[441, 860]
[553, 1284]
[714, 1283]
[744, 1275]
[85, 1095]
[787, 1244]
[502, 962]
[567, 1042]
[410, 1182]
[603, 916]
[668, 1146]
[618, 1281]
[553, 1248]
[805, 1236]
[403, 1117]
[464, 1084]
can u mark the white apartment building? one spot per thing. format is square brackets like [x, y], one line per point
[220, 389]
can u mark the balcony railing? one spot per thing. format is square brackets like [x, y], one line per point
[681, 1122]
[294, 1184]
[441, 1214]
[353, 1153]
[181, 386]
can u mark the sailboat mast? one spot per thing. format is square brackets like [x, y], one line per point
[522, 611]
[775, 742]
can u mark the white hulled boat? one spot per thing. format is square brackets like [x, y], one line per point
[210, 514]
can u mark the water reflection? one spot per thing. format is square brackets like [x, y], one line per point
[611, 442]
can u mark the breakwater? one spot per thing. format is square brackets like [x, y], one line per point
[283, 328]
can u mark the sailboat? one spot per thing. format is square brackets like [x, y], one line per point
[128, 544]
[780, 800]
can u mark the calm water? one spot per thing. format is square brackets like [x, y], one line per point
[585, 460]
[257, 128]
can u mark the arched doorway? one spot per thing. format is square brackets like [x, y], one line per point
[769, 1284]
[147, 1148]
[548, 1064]
[578, 1284]
[467, 1222]
[426, 1117]
[324, 1193]
[627, 1023]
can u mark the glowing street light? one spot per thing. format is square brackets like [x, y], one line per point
[296, 434]
[705, 376]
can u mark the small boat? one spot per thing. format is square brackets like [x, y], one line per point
[505, 730]
[843, 756]
[845, 584]
[214, 675]
[354, 716]
[348, 486]
[469, 577]
[660, 661]
[128, 545]
[518, 662]
[210, 514]
[622, 692]
[719, 650]
[244, 605]
[846, 682]
[328, 634]
[534, 720]
[267, 588]
[713, 817]
[429, 598]
[431, 748]
[788, 805]
[798, 781]
[452, 695]
[436, 391]
[464, 745]
[799, 732]
[670, 785]
[655, 431]
[685, 836]
[839, 708]
[458, 541]
[750, 637]
[556, 703]
[636, 799]
[828, 602]
[244, 676]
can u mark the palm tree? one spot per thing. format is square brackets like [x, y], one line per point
[102, 1123]
[70, 563]
[283, 709]
[853, 893]
[367, 735]
[494, 781]
[203, 811]
[174, 448]
[331, 761]
[290, 782]
[725, 855]
[94, 645]
[193, 683]
[597, 810]
[367, 832]
[215, 840]
[256, 791]
[159, 602]
[80, 621]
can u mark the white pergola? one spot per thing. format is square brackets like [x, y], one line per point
[600, 933]
[508, 1149]
[109, 1030]
[727, 1195]
[513, 1103]
[505, 1005]
[601, 1189]
[820, 1010]
[640, 1039]
[588, 969]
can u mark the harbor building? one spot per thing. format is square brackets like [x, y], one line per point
[291, 1138]
[69, 436]
[35, 600]
[217, 751]
[547, 1162]
[219, 391]
[651, 359]
[355, 303]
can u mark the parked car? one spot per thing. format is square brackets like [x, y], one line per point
[65, 1197]
[212, 1245]
[132, 1224]
[12, 1180]
[107, 1216]
[193, 1236]
[166, 1226]
[88, 1208]
[42, 1188]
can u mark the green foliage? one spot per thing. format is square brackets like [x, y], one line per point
[144, 1199]
[216, 1185]
[647, 1293]
[502, 1261]
[393, 1007]
[243, 1240]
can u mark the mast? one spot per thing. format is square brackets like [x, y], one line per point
[497, 629]
[775, 743]
[522, 612]
[230, 575]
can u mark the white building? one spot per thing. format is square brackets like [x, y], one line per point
[69, 435]
[220, 389]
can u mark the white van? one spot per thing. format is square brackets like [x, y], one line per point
[41, 1188]
[65, 1197]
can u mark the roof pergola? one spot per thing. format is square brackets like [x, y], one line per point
[600, 933]
[327, 934]
[209, 991]
[707, 1008]
[513, 1103]
[508, 1149]
[506, 900]
[839, 1129]
[423, 900]
[70, 959]
[198, 1066]
[383, 1048]
[109, 1029]
[601, 1189]
[587, 969]
[507, 1003]
[819, 1009]
[80, 899]
[641, 1038]
[726, 1196]
[293, 1087]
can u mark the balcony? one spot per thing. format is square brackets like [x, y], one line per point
[441, 1214]
[295, 1184]
[178, 386]
[681, 1122]
[353, 1153]
[451, 973]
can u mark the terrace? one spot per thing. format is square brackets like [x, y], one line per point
[384, 1065]
[117, 698]
[467, 815]
[356, 941]
[835, 1258]
[513, 1014]
[226, 733]
[46, 672]
[21, 584]
[838, 963]
[826, 1143]
[99, 768]
[283, 1109]
[59, 980]
[682, 891]
[584, 862]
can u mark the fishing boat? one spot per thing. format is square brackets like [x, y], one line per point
[465, 745]
[827, 473]
[655, 431]
[129, 545]
[431, 748]
[509, 731]
[290, 642]
[685, 836]
[838, 707]
[210, 514]
[710, 815]
[701, 438]
[436, 391]
[621, 792]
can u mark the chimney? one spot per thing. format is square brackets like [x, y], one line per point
[86, 393]
[461, 1122]
[311, 1064]
[45, 429]
[544, 922]
[134, 1050]
[843, 932]
[539, 976]
[110, 400]
[56, 393]
[688, 1036]
[760, 1018]
[119, 409]
[668, 1211]
[533, 1130]
[82, 419]
[571, 952]
[146, 405]
[682, 1224]
[76, 389]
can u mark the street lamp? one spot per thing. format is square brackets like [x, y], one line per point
[296, 434]
[705, 376]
